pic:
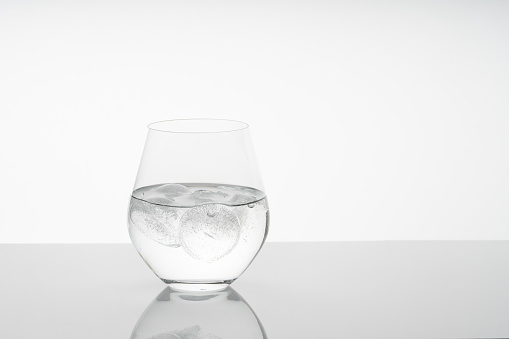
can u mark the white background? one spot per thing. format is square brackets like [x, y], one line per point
[371, 120]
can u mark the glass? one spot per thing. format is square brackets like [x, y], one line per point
[198, 213]
[221, 314]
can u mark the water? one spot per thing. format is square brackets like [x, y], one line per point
[198, 233]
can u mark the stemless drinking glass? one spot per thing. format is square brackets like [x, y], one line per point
[198, 213]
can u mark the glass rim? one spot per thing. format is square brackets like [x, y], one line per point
[241, 126]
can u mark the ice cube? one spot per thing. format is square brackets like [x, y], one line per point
[203, 196]
[193, 332]
[165, 336]
[241, 199]
[158, 223]
[209, 232]
[171, 190]
[251, 216]
[159, 200]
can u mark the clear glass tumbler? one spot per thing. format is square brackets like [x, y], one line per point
[198, 213]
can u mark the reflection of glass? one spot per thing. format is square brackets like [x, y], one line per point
[198, 315]
[198, 213]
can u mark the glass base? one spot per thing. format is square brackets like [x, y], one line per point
[197, 286]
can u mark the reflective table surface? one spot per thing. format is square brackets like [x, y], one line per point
[405, 289]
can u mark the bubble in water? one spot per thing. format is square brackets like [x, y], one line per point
[158, 223]
[209, 238]
[251, 205]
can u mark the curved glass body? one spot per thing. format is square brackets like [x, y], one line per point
[198, 213]
[221, 314]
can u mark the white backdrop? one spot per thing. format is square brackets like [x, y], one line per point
[371, 120]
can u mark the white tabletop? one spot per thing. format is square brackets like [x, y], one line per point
[297, 290]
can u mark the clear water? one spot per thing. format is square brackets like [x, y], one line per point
[199, 233]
